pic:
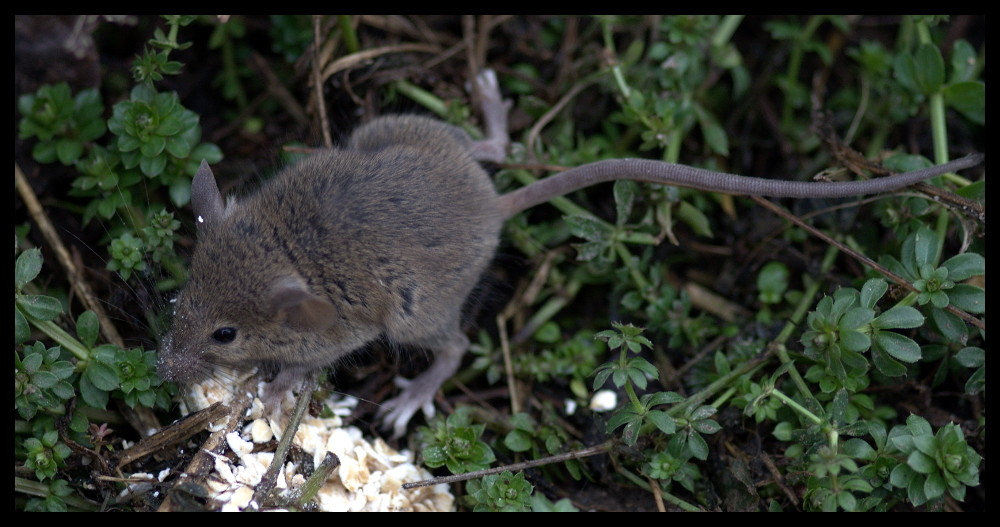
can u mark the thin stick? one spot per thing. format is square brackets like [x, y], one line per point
[586, 452]
[508, 363]
[354, 59]
[73, 273]
[270, 478]
[324, 123]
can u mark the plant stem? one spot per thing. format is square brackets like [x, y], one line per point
[347, 31]
[795, 64]
[58, 334]
[800, 312]
[726, 29]
[796, 406]
[422, 97]
[633, 269]
[616, 71]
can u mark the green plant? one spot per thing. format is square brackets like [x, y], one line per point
[455, 442]
[936, 284]
[630, 373]
[44, 377]
[543, 440]
[935, 462]
[63, 124]
[48, 379]
[155, 143]
[845, 326]
[503, 492]
[834, 481]
[56, 492]
[45, 454]
[41, 379]
[673, 466]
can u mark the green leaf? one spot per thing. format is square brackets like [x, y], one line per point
[21, 329]
[44, 152]
[858, 484]
[918, 426]
[40, 307]
[180, 192]
[93, 395]
[44, 379]
[924, 247]
[61, 369]
[858, 448]
[697, 446]
[63, 390]
[695, 219]
[170, 125]
[713, 132]
[968, 298]
[704, 412]
[153, 146]
[664, 398]
[630, 434]
[33, 358]
[951, 327]
[624, 192]
[210, 152]
[928, 69]
[128, 143]
[152, 166]
[901, 476]
[971, 357]
[900, 347]
[886, 364]
[872, 291]
[934, 486]
[847, 501]
[976, 382]
[963, 61]
[623, 416]
[964, 266]
[855, 318]
[549, 333]
[855, 341]
[643, 365]
[68, 151]
[921, 462]
[589, 228]
[969, 99]
[518, 441]
[637, 377]
[601, 377]
[899, 317]
[87, 327]
[662, 421]
[103, 376]
[706, 426]
[27, 267]
[772, 281]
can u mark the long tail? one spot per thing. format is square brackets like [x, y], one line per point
[652, 171]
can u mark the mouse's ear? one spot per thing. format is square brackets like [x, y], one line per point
[205, 197]
[291, 302]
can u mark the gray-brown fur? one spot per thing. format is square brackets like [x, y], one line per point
[381, 238]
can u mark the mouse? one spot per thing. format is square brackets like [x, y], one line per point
[384, 238]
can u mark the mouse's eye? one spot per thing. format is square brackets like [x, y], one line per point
[224, 335]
